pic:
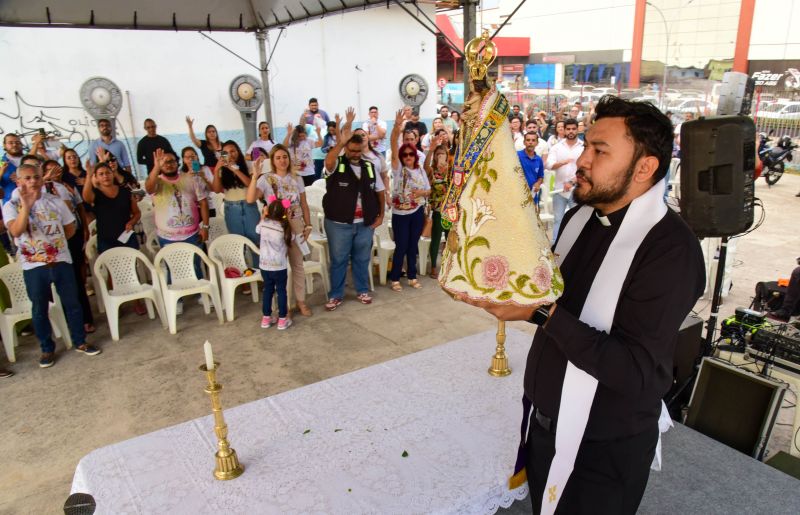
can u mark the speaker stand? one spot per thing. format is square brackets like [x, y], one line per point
[716, 300]
[711, 329]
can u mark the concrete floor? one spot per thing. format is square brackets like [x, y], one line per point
[149, 379]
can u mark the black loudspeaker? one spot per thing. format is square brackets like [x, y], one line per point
[734, 406]
[718, 158]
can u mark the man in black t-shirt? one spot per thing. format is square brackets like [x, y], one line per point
[149, 144]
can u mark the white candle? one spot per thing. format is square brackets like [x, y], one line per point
[209, 356]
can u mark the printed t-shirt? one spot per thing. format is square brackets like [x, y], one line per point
[289, 186]
[301, 157]
[403, 181]
[176, 206]
[43, 241]
[273, 252]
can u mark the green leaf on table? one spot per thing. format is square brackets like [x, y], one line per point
[306, 431]
[349, 489]
[336, 430]
[405, 454]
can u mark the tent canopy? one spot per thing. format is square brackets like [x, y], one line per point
[210, 15]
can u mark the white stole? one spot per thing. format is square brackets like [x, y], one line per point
[579, 387]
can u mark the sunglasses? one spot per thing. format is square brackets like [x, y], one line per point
[406, 154]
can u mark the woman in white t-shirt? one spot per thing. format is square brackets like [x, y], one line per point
[410, 190]
[262, 145]
[558, 136]
[191, 164]
[300, 150]
[285, 184]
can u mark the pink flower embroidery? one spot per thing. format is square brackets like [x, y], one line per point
[495, 272]
[541, 278]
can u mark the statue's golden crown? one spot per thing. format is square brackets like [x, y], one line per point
[481, 53]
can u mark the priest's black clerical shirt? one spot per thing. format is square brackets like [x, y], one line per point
[633, 361]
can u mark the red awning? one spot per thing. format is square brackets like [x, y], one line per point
[506, 47]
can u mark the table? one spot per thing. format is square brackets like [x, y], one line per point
[338, 446]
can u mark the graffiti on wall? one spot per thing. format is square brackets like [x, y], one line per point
[67, 125]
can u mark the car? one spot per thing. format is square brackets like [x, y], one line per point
[781, 111]
[691, 105]
[646, 98]
[604, 91]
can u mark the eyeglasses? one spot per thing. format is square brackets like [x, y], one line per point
[406, 154]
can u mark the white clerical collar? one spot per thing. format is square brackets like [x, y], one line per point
[603, 219]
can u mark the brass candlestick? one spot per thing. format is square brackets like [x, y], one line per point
[228, 466]
[499, 366]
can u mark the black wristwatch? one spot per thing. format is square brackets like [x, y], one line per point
[540, 315]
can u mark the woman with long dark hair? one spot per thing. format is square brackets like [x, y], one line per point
[438, 168]
[191, 164]
[54, 184]
[410, 189]
[301, 149]
[231, 178]
[262, 145]
[211, 147]
[73, 173]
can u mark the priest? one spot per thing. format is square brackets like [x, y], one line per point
[601, 358]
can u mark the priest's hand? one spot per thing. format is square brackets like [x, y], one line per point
[506, 313]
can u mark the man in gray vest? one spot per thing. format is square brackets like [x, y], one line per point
[353, 205]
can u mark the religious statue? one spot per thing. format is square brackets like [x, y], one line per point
[497, 249]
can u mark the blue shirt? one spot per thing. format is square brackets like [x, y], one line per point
[533, 168]
[115, 147]
[6, 183]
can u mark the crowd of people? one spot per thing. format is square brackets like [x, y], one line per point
[50, 197]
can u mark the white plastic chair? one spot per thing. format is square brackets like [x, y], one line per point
[179, 258]
[151, 245]
[314, 197]
[217, 228]
[424, 250]
[93, 227]
[91, 257]
[121, 265]
[320, 267]
[317, 219]
[320, 183]
[229, 251]
[21, 309]
[383, 248]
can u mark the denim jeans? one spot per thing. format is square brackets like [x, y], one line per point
[275, 283]
[37, 282]
[407, 230]
[242, 218]
[194, 240]
[346, 242]
[560, 206]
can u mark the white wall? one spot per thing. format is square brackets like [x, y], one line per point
[699, 31]
[775, 30]
[563, 27]
[170, 75]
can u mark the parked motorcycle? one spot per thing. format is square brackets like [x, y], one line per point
[773, 157]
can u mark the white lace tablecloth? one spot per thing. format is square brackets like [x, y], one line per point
[459, 426]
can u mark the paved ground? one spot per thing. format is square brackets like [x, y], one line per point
[149, 379]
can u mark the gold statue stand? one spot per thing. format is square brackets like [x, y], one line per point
[228, 466]
[499, 366]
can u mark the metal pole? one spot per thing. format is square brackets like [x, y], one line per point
[666, 54]
[261, 37]
[469, 35]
